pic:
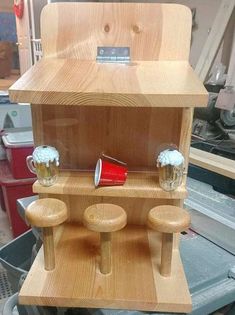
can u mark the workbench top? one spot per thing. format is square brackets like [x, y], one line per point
[137, 84]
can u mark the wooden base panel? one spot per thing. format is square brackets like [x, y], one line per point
[135, 282]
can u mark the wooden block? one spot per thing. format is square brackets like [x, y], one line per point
[212, 162]
[135, 281]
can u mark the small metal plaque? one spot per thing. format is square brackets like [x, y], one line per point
[113, 54]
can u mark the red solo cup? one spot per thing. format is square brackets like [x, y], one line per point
[109, 174]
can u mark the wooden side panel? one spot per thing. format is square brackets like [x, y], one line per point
[152, 31]
[81, 134]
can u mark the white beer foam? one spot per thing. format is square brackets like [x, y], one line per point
[170, 157]
[46, 154]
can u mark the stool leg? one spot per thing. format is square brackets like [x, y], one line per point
[48, 246]
[166, 254]
[105, 249]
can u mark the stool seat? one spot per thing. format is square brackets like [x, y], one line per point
[168, 219]
[104, 218]
[46, 212]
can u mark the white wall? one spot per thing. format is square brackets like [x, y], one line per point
[6, 5]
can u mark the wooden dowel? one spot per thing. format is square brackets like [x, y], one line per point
[105, 248]
[166, 254]
[48, 247]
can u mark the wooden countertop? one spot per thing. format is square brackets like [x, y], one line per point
[138, 185]
[138, 84]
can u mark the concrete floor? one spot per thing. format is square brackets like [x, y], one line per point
[5, 231]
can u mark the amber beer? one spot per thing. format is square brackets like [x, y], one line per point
[45, 164]
[47, 174]
[170, 176]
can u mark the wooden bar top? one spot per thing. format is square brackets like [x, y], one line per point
[138, 84]
[138, 185]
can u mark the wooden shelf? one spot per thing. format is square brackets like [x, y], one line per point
[138, 185]
[135, 281]
[138, 84]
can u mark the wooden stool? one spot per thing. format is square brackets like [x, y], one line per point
[46, 213]
[168, 220]
[105, 218]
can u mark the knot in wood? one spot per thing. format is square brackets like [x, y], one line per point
[136, 29]
[106, 28]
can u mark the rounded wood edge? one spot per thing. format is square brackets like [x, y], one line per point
[168, 219]
[46, 212]
[104, 218]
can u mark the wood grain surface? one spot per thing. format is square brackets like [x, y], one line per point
[46, 212]
[48, 248]
[152, 31]
[213, 162]
[131, 285]
[88, 83]
[137, 209]
[125, 111]
[105, 253]
[175, 293]
[81, 134]
[168, 219]
[104, 217]
[185, 138]
[137, 185]
[166, 254]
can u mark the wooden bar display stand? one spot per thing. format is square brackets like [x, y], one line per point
[83, 108]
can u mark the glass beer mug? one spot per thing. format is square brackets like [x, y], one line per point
[171, 169]
[44, 162]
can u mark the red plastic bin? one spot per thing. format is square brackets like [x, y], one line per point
[18, 146]
[14, 189]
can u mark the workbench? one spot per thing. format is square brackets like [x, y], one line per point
[209, 261]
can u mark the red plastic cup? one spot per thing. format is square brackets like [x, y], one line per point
[109, 174]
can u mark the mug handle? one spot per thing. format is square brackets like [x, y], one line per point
[29, 162]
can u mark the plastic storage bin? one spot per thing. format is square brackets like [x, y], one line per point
[12, 190]
[16, 257]
[18, 146]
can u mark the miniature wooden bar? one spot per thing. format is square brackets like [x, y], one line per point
[84, 108]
